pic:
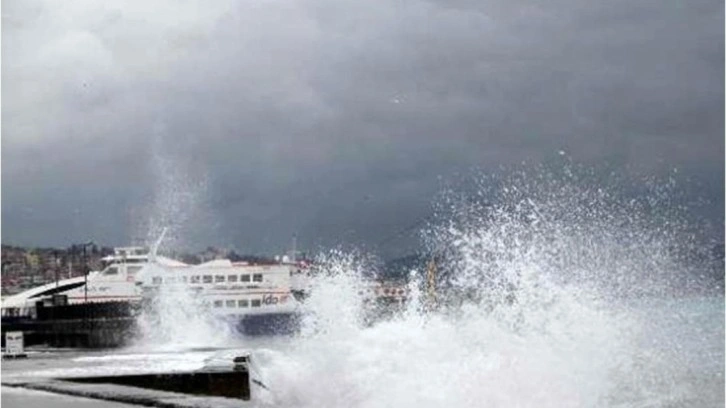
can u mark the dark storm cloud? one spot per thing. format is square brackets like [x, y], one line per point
[334, 119]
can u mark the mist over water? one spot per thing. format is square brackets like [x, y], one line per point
[553, 290]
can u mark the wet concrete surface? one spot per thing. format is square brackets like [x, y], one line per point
[14, 397]
[49, 370]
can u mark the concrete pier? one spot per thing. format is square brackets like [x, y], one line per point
[126, 379]
[94, 325]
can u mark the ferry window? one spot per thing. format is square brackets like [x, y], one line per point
[256, 302]
[232, 278]
[207, 279]
[195, 279]
[257, 277]
[219, 278]
[243, 303]
[230, 303]
[217, 303]
[133, 269]
[112, 270]
[244, 278]
[156, 280]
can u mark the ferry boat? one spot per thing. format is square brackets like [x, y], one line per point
[256, 298]
[114, 283]
[254, 295]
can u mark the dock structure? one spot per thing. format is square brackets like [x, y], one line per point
[221, 386]
[214, 383]
[92, 325]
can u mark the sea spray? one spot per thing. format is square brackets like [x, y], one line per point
[174, 317]
[532, 273]
[178, 200]
[537, 275]
[337, 293]
[469, 359]
[621, 237]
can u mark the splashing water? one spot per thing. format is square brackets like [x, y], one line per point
[560, 355]
[572, 227]
[553, 291]
[178, 203]
[534, 311]
[175, 318]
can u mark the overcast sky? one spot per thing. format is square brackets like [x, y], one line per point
[247, 121]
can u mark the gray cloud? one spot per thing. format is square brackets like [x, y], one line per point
[335, 119]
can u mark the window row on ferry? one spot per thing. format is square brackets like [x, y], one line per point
[245, 278]
[238, 303]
